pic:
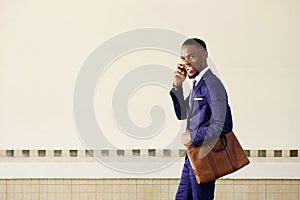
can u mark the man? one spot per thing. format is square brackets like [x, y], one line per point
[206, 109]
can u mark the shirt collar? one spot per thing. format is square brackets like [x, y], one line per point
[199, 76]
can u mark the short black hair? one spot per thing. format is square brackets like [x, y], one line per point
[195, 41]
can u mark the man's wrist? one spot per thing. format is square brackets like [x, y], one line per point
[176, 86]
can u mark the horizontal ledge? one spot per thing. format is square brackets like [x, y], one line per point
[281, 169]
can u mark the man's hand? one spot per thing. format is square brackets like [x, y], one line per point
[186, 138]
[179, 75]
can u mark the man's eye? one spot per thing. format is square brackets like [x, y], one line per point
[190, 57]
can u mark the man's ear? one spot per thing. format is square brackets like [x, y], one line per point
[205, 54]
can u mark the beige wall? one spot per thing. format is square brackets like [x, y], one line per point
[253, 44]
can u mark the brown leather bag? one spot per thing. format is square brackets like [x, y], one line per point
[217, 158]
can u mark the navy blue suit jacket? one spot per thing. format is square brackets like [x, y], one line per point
[209, 109]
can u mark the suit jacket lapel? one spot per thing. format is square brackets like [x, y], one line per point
[202, 80]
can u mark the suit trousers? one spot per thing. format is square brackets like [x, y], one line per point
[189, 189]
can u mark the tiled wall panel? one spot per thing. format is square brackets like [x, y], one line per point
[141, 189]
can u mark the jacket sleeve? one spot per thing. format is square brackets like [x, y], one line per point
[220, 119]
[180, 104]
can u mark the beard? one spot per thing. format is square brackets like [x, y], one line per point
[194, 75]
